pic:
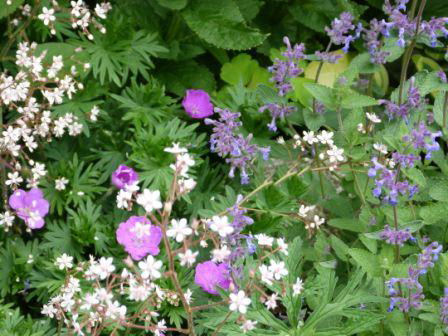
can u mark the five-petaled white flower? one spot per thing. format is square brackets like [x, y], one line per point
[179, 229]
[248, 325]
[150, 268]
[47, 16]
[188, 258]
[297, 288]
[239, 302]
[64, 261]
[149, 200]
[221, 225]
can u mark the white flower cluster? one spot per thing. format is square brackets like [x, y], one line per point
[32, 92]
[183, 163]
[330, 155]
[92, 294]
[310, 217]
[81, 17]
[372, 120]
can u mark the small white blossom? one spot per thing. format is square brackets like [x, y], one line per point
[175, 149]
[248, 325]
[188, 258]
[60, 183]
[380, 148]
[373, 118]
[179, 229]
[278, 269]
[221, 225]
[47, 16]
[149, 200]
[271, 302]
[264, 240]
[14, 179]
[309, 137]
[64, 262]
[221, 254]
[239, 302]
[297, 288]
[150, 268]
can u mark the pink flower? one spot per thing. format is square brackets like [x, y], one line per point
[30, 206]
[210, 275]
[139, 237]
[123, 176]
[197, 104]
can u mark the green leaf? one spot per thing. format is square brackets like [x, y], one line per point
[352, 100]
[173, 4]
[439, 191]
[339, 247]
[367, 261]
[440, 104]
[433, 213]
[322, 93]
[242, 69]
[220, 22]
[350, 224]
[416, 176]
[8, 9]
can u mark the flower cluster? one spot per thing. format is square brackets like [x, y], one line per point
[407, 293]
[413, 102]
[309, 214]
[423, 139]
[237, 149]
[343, 32]
[396, 237]
[388, 186]
[81, 16]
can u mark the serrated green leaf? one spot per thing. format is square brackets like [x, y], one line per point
[367, 261]
[220, 22]
[322, 93]
[173, 4]
[244, 70]
[352, 100]
[350, 224]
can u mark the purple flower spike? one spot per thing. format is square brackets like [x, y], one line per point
[139, 237]
[210, 275]
[197, 104]
[31, 206]
[124, 176]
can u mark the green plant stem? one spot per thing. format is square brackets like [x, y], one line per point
[357, 186]
[445, 106]
[397, 247]
[319, 69]
[408, 52]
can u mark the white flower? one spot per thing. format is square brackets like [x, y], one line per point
[138, 292]
[309, 137]
[303, 210]
[335, 154]
[266, 275]
[123, 199]
[94, 112]
[14, 179]
[239, 302]
[283, 247]
[179, 229]
[60, 183]
[271, 302]
[221, 254]
[248, 325]
[188, 258]
[380, 148]
[105, 267]
[149, 200]
[188, 293]
[373, 117]
[297, 288]
[175, 149]
[115, 310]
[64, 262]
[161, 326]
[89, 300]
[221, 225]
[325, 138]
[150, 268]
[264, 239]
[318, 221]
[47, 16]
[278, 269]
[361, 128]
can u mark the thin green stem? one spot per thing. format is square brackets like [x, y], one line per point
[397, 247]
[445, 107]
[316, 79]
[408, 53]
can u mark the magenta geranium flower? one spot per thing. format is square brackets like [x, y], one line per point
[197, 104]
[123, 176]
[139, 237]
[31, 206]
[210, 275]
